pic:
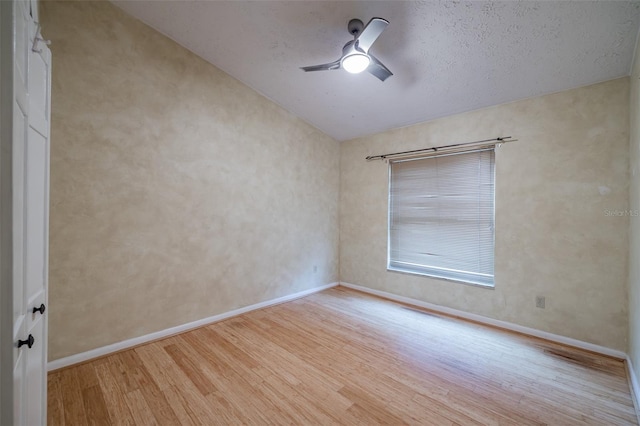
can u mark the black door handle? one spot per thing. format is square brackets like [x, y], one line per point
[40, 309]
[28, 341]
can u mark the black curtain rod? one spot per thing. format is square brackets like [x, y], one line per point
[438, 148]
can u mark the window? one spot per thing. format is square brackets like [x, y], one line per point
[441, 216]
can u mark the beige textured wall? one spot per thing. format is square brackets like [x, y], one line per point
[177, 192]
[634, 207]
[553, 237]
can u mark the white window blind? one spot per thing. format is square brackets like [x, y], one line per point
[441, 218]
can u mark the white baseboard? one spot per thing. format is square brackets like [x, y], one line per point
[136, 341]
[634, 385]
[493, 322]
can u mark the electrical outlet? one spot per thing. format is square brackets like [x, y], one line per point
[540, 302]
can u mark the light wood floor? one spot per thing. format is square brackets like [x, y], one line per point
[342, 357]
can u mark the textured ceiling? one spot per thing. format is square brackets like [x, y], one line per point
[447, 57]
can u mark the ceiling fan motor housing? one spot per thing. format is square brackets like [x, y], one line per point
[355, 27]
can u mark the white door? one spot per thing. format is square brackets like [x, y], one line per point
[31, 87]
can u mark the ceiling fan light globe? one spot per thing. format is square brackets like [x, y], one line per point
[356, 63]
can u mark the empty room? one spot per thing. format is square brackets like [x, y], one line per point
[319, 212]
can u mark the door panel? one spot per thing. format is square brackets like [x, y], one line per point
[22, 37]
[19, 373]
[38, 90]
[35, 217]
[19, 135]
[35, 379]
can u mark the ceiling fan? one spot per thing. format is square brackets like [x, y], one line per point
[355, 54]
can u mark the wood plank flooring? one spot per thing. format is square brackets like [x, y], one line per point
[343, 357]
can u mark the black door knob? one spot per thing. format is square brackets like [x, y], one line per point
[40, 309]
[28, 341]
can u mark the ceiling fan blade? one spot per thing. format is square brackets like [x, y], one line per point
[324, 67]
[370, 33]
[378, 69]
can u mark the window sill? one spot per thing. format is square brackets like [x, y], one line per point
[437, 277]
